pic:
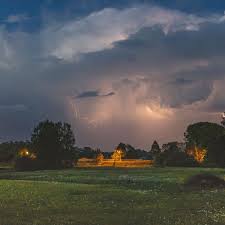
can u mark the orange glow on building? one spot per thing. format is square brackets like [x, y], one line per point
[198, 154]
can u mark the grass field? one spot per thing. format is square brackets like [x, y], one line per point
[148, 196]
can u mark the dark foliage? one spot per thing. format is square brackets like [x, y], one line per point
[132, 153]
[24, 163]
[129, 152]
[171, 146]
[53, 143]
[28, 164]
[155, 149]
[88, 152]
[138, 154]
[9, 150]
[205, 180]
[175, 159]
[216, 152]
[174, 156]
[122, 147]
[107, 155]
[210, 136]
[202, 134]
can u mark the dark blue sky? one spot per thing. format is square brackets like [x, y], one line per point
[119, 71]
[79, 8]
[34, 7]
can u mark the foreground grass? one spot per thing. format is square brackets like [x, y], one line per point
[148, 196]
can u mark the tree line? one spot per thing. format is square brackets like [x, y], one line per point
[52, 145]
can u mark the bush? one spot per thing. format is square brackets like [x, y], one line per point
[205, 180]
[175, 159]
[28, 164]
[25, 163]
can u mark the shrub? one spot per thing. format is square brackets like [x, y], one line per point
[25, 163]
[28, 164]
[205, 180]
[175, 158]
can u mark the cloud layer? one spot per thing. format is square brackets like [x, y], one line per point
[100, 30]
[131, 75]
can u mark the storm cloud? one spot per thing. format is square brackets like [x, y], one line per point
[93, 94]
[117, 75]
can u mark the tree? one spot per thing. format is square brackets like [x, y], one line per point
[199, 154]
[155, 149]
[53, 142]
[216, 152]
[119, 152]
[207, 138]
[202, 134]
[122, 147]
[117, 155]
[99, 158]
[131, 152]
[174, 156]
[9, 150]
[88, 152]
[171, 147]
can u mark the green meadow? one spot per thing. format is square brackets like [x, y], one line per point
[148, 196]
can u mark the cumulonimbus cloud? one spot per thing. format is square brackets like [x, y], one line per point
[157, 72]
[101, 29]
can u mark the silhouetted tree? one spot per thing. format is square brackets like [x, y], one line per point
[216, 152]
[171, 147]
[53, 142]
[202, 134]
[174, 156]
[131, 152]
[122, 148]
[88, 152]
[155, 149]
[208, 136]
[9, 150]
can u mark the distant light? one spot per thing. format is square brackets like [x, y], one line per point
[26, 153]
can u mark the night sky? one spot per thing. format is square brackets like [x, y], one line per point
[118, 71]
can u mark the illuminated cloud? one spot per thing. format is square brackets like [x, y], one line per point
[99, 30]
[133, 74]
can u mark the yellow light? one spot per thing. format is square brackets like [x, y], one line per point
[33, 156]
[198, 154]
[117, 155]
[24, 152]
[99, 158]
